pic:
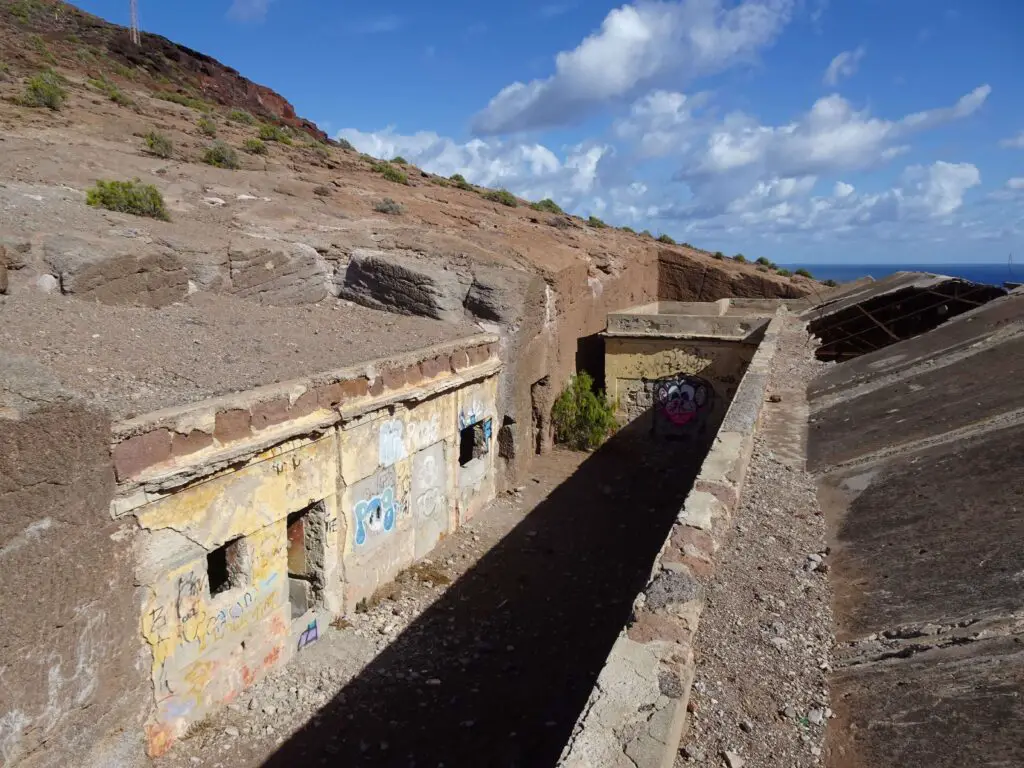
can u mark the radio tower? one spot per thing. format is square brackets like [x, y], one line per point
[135, 22]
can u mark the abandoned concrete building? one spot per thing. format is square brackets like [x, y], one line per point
[279, 484]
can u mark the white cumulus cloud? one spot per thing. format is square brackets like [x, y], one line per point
[637, 44]
[249, 10]
[1015, 183]
[1014, 142]
[844, 65]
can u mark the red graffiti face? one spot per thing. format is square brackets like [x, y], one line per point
[680, 399]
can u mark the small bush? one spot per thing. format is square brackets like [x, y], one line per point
[112, 91]
[441, 181]
[254, 147]
[762, 268]
[831, 283]
[220, 155]
[719, 255]
[582, 418]
[666, 239]
[502, 196]
[783, 272]
[207, 127]
[804, 273]
[322, 153]
[388, 206]
[596, 223]
[389, 172]
[460, 181]
[41, 48]
[740, 258]
[159, 144]
[547, 205]
[241, 116]
[763, 260]
[128, 197]
[184, 100]
[321, 191]
[646, 233]
[346, 144]
[45, 89]
[275, 133]
[399, 160]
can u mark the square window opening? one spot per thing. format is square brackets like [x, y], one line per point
[226, 567]
[474, 442]
[306, 532]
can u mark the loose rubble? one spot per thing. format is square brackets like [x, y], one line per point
[765, 643]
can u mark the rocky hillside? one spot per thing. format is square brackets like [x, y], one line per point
[237, 195]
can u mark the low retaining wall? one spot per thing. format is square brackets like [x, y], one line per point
[636, 714]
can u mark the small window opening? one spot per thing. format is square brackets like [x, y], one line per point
[474, 442]
[226, 567]
[307, 532]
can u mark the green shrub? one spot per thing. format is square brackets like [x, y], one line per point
[275, 133]
[322, 153]
[596, 223]
[389, 172]
[207, 127]
[220, 155]
[441, 181]
[241, 116]
[45, 89]
[346, 144]
[547, 205]
[740, 258]
[128, 197]
[159, 144]
[502, 196]
[783, 272]
[762, 268]
[646, 233]
[460, 181]
[388, 206]
[41, 48]
[399, 160]
[184, 100]
[831, 283]
[254, 147]
[719, 255]
[582, 418]
[111, 90]
[763, 260]
[666, 239]
[804, 273]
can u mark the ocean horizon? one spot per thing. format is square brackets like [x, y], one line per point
[992, 274]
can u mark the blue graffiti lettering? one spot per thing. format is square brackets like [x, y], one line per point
[375, 515]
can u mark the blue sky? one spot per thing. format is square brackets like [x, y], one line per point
[802, 130]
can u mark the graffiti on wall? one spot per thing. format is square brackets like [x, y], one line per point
[471, 413]
[310, 635]
[376, 506]
[682, 404]
[428, 482]
[392, 442]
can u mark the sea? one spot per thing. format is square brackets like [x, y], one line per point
[993, 274]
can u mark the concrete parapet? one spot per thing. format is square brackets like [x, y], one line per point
[636, 714]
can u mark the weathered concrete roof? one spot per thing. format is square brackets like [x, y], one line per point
[920, 446]
[133, 360]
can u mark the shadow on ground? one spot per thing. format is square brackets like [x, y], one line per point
[496, 672]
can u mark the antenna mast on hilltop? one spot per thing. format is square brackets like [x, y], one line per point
[135, 22]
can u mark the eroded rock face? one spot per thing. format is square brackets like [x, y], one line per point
[403, 284]
[499, 295]
[681, 278]
[102, 271]
[279, 273]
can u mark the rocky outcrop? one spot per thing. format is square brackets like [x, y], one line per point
[683, 278]
[279, 273]
[101, 271]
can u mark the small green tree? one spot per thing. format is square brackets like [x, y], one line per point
[719, 255]
[582, 418]
[666, 239]
[763, 260]
[831, 283]
[740, 258]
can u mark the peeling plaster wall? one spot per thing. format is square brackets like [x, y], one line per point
[632, 363]
[379, 491]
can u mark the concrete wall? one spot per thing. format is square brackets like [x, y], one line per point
[71, 689]
[632, 365]
[243, 566]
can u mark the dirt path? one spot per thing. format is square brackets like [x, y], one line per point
[494, 669]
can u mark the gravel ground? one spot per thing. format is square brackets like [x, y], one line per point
[492, 669]
[765, 641]
[132, 360]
